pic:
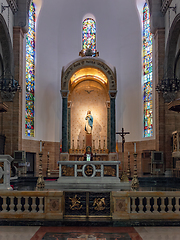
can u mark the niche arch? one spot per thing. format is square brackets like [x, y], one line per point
[170, 55]
[99, 77]
[7, 50]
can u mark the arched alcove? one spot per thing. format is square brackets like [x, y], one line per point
[88, 91]
[88, 84]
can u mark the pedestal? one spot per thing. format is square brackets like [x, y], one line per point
[89, 140]
[5, 164]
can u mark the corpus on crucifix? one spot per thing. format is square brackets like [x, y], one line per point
[124, 177]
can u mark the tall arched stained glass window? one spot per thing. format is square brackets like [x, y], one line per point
[89, 35]
[30, 73]
[147, 73]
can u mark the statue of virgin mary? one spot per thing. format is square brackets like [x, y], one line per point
[89, 122]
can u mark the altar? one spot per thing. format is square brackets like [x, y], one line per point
[84, 175]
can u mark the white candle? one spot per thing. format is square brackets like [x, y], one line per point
[48, 153]
[134, 147]
[128, 153]
[40, 145]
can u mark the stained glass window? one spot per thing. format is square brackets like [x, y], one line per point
[89, 35]
[147, 73]
[30, 73]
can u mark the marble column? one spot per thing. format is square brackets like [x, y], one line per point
[64, 94]
[69, 124]
[112, 121]
[108, 125]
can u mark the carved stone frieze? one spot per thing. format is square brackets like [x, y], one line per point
[67, 72]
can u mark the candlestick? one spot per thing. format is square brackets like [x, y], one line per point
[48, 170]
[135, 181]
[40, 145]
[40, 181]
[129, 167]
[134, 147]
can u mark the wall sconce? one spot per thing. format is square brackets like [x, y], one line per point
[8, 87]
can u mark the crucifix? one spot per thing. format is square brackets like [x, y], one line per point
[122, 134]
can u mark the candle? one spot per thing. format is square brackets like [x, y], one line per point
[40, 145]
[134, 147]
[48, 153]
[128, 153]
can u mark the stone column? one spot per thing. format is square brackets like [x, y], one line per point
[159, 51]
[12, 122]
[108, 125]
[112, 121]
[64, 94]
[69, 124]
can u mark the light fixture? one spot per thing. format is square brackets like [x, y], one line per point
[8, 87]
[169, 87]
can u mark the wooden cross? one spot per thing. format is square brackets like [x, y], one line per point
[122, 134]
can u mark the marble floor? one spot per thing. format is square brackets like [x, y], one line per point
[88, 233]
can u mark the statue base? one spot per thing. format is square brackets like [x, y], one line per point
[89, 139]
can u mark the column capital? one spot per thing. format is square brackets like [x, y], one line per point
[112, 93]
[64, 93]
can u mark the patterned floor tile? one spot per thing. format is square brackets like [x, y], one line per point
[86, 233]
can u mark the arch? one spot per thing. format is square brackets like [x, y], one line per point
[7, 50]
[176, 66]
[105, 68]
[170, 53]
[89, 15]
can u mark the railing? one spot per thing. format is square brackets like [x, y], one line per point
[146, 205]
[58, 205]
[30, 205]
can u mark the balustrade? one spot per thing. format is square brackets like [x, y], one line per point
[121, 204]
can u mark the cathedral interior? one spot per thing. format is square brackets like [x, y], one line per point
[89, 119]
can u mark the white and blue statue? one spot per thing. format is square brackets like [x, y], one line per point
[89, 122]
